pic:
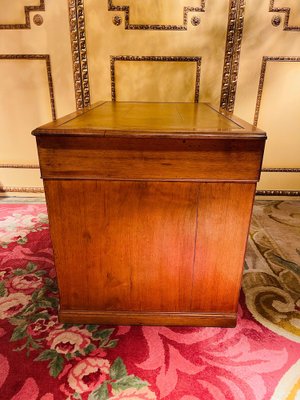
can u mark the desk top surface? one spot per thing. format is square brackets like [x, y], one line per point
[125, 119]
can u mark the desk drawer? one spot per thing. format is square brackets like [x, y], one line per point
[159, 159]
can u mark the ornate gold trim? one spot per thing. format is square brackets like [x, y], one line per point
[276, 20]
[232, 53]
[38, 19]
[197, 60]
[25, 166]
[183, 27]
[195, 21]
[27, 10]
[286, 11]
[79, 53]
[46, 58]
[7, 189]
[266, 59]
[117, 20]
[293, 193]
[288, 170]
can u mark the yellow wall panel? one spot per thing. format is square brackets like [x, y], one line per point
[279, 113]
[206, 40]
[278, 181]
[26, 103]
[268, 85]
[167, 81]
[36, 81]
[13, 12]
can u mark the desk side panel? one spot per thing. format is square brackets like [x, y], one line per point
[123, 245]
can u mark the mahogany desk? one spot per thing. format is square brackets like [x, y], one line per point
[149, 207]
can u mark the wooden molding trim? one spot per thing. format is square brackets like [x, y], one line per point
[25, 166]
[79, 53]
[197, 60]
[149, 318]
[9, 189]
[183, 27]
[292, 193]
[232, 53]
[286, 170]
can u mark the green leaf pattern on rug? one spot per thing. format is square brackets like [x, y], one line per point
[16, 227]
[119, 382]
[29, 301]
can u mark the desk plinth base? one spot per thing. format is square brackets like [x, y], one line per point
[227, 320]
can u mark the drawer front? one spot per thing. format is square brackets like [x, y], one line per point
[161, 159]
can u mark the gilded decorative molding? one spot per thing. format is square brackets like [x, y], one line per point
[289, 170]
[10, 189]
[38, 19]
[79, 53]
[265, 60]
[27, 10]
[197, 60]
[292, 193]
[25, 166]
[276, 20]
[183, 27]
[232, 53]
[195, 21]
[31, 57]
[117, 20]
[286, 11]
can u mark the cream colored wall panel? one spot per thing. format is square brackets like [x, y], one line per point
[279, 114]
[260, 38]
[144, 81]
[53, 38]
[105, 39]
[20, 178]
[26, 103]
[13, 12]
[271, 97]
[40, 30]
[279, 181]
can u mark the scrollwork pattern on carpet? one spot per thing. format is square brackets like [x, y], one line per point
[272, 281]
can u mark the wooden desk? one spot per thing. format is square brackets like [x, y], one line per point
[149, 207]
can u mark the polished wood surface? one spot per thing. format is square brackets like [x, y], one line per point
[132, 235]
[155, 119]
[149, 227]
[224, 216]
[150, 158]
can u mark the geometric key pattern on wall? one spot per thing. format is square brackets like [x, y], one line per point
[241, 55]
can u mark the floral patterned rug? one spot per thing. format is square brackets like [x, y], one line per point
[43, 359]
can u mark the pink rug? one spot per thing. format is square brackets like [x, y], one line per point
[43, 359]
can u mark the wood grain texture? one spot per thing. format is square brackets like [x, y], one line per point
[150, 159]
[123, 245]
[227, 320]
[223, 222]
[128, 119]
[149, 208]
